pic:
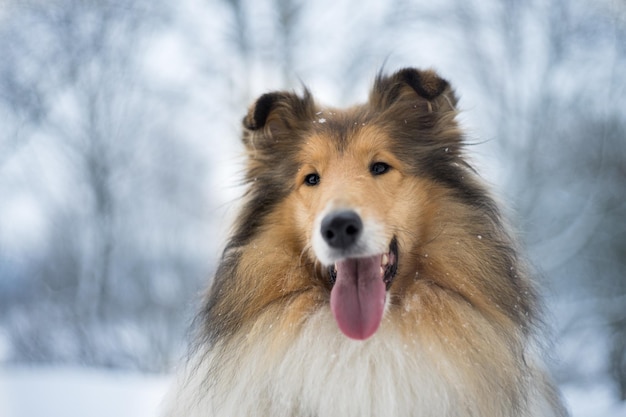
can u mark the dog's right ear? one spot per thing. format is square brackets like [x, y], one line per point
[275, 118]
[424, 89]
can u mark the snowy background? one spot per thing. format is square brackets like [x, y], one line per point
[120, 162]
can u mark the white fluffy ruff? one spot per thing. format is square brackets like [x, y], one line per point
[323, 373]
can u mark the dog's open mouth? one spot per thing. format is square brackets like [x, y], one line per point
[360, 286]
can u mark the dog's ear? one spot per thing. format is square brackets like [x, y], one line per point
[418, 109]
[425, 90]
[276, 117]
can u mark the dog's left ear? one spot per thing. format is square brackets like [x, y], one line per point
[425, 90]
[276, 118]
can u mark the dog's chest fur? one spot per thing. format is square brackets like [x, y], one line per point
[323, 373]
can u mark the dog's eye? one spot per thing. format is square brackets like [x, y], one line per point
[378, 168]
[312, 179]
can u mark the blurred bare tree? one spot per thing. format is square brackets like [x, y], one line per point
[123, 203]
[558, 117]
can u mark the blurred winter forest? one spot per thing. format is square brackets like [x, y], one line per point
[120, 157]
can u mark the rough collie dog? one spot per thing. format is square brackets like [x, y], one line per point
[368, 273]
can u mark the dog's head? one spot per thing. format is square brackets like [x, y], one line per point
[358, 182]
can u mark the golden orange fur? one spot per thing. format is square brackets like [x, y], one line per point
[458, 333]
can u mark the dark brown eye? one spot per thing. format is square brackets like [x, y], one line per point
[379, 168]
[312, 179]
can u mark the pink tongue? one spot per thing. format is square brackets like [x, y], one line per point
[357, 299]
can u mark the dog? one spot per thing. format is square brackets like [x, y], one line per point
[368, 273]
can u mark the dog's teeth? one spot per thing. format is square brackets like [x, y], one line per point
[382, 271]
[385, 260]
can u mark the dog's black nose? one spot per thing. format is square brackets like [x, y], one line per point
[341, 229]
